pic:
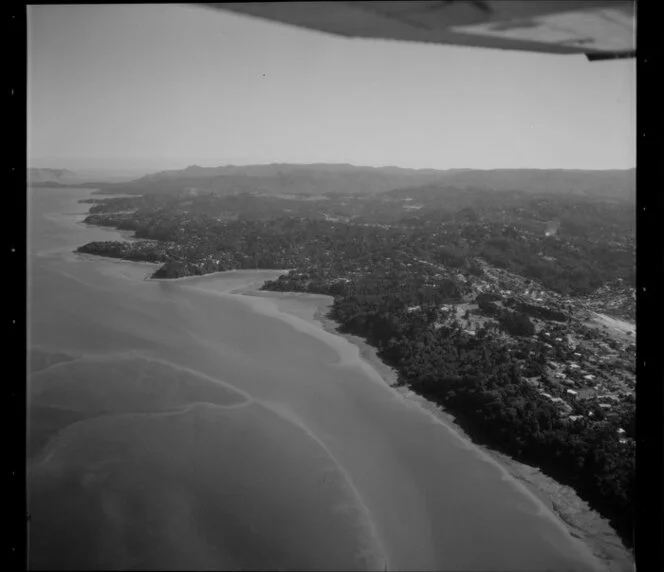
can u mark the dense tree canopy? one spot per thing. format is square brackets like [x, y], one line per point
[479, 380]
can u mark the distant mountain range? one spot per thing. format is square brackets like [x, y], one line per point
[331, 179]
[273, 179]
[610, 185]
[47, 177]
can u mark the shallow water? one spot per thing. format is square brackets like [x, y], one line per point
[176, 425]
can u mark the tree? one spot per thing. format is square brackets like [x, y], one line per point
[517, 324]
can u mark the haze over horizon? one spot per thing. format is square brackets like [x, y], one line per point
[154, 87]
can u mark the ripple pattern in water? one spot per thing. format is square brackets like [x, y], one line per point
[144, 465]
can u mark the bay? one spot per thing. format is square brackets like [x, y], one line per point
[177, 425]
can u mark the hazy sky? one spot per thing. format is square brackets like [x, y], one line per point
[165, 86]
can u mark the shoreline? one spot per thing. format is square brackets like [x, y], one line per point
[217, 272]
[581, 522]
[88, 256]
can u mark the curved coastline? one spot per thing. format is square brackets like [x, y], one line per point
[561, 503]
[587, 529]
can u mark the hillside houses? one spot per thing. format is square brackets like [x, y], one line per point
[584, 365]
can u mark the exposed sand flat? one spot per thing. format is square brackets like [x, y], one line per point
[302, 311]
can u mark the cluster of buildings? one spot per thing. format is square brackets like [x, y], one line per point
[587, 372]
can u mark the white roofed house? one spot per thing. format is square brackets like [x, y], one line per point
[621, 436]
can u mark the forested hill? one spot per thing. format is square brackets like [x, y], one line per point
[334, 179]
[279, 179]
[289, 169]
[620, 184]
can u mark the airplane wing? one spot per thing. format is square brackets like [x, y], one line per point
[599, 29]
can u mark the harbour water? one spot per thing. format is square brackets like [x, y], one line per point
[177, 425]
